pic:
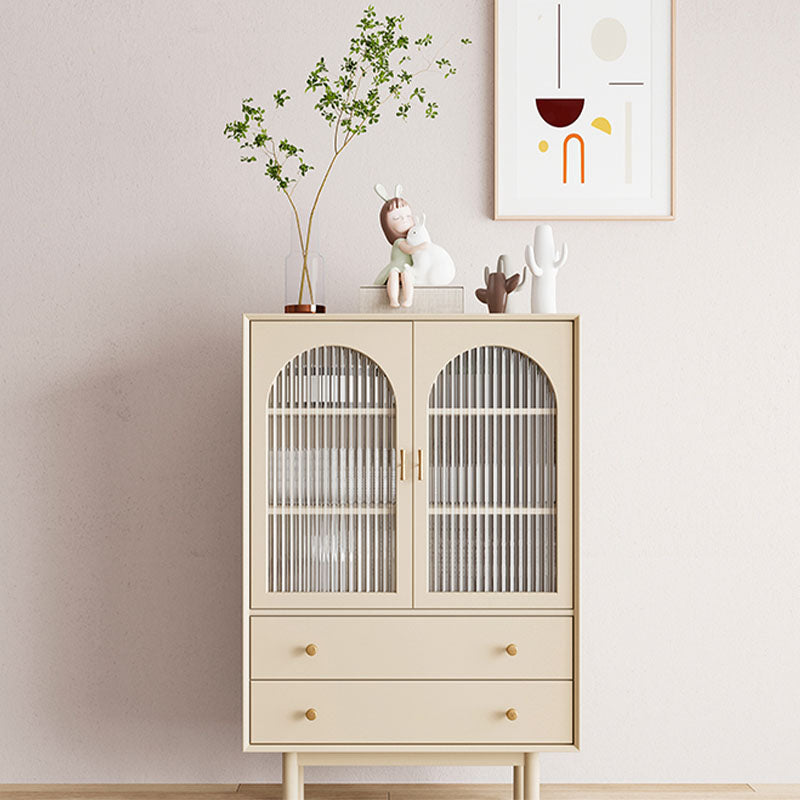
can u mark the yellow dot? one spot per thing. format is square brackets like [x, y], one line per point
[543, 146]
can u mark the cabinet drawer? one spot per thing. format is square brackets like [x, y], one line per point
[404, 647]
[424, 712]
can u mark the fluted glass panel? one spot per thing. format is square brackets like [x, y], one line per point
[492, 475]
[331, 493]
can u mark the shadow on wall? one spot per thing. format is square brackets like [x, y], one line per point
[137, 584]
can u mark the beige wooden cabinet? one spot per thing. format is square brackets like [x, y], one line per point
[410, 540]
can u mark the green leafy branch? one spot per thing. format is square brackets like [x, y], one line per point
[375, 71]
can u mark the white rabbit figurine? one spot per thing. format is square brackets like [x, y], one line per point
[544, 262]
[432, 265]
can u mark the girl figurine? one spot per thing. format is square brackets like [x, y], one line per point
[396, 221]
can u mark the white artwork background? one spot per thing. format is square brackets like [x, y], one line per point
[530, 182]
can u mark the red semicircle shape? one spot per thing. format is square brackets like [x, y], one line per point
[560, 111]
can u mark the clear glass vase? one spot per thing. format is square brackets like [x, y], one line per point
[305, 277]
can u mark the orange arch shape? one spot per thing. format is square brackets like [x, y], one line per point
[583, 156]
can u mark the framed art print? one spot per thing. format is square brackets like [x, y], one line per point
[584, 112]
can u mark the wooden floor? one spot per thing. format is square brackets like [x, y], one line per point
[400, 791]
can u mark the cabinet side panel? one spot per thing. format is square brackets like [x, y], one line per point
[245, 532]
[576, 528]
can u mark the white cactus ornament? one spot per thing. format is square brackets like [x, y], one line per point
[544, 262]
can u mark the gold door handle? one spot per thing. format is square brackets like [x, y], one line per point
[419, 465]
[311, 713]
[512, 714]
[402, 464]
[312, 649]
[512, 650]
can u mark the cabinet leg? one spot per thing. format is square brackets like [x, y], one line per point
[518, 783]
[291, 776]
[301, 784]
[531, 776]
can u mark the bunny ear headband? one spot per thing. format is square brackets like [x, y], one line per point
[380, 190]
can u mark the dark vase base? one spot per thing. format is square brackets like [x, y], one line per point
[304, 308]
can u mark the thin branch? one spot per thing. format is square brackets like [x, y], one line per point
[355, 95]
[296, 219]
[336, 129]
[341, 110]
[321, 187]
[432, 60]
[351, 134]
[304, 277]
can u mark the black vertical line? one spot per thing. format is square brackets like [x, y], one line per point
[559, 45]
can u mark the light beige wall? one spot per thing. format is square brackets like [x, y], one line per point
[131, 242]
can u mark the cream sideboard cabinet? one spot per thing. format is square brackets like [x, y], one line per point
[410, 541]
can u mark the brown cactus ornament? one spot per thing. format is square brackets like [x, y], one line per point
[498, 287]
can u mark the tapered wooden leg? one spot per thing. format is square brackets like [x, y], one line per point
[531, 777]
[291, 783]
[301, 783]
[518, 783]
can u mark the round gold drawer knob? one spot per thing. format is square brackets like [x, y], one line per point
[512, 714]
[512, 650]
[312, 649]
[311, 714]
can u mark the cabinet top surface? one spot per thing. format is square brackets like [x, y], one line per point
[410, 317]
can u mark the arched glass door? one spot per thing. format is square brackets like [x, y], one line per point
[329, 417]
[492, 475]
[495, 445]
[331, 475]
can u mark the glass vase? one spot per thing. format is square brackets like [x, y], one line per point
[305, 276]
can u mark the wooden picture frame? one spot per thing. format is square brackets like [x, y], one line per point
[540, 108]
